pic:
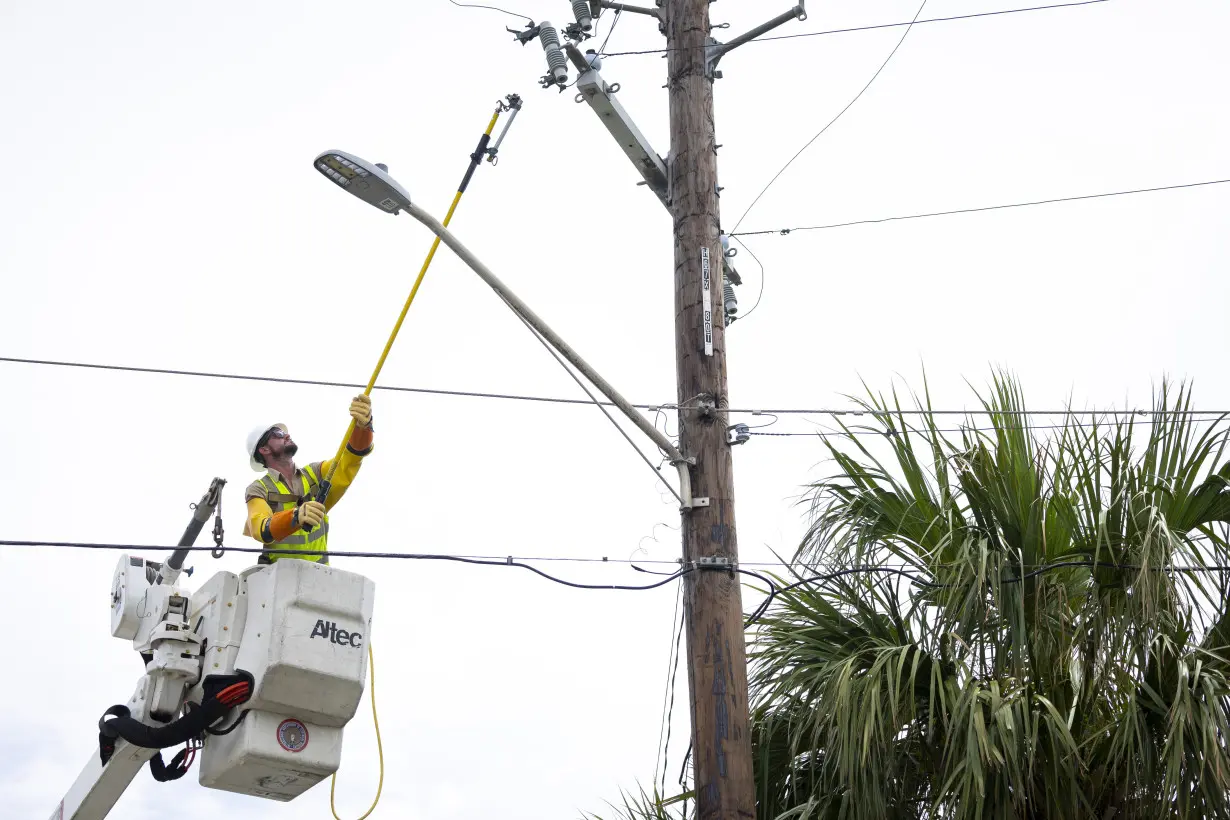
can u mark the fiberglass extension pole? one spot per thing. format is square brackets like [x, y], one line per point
[514, 105]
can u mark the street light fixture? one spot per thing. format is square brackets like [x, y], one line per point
[371, 183]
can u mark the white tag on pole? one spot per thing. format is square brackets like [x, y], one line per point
[706, 299]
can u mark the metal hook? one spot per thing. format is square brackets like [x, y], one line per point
[218, 549]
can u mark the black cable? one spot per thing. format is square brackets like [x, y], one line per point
[514, 562]
[819, 133]
[668, 698]
[586, 402]
[351, 554]
[787, 231]
[220, 732]
[774, 589]
[878, 26]
[486, 559]
[492, 8]
[611, 30]
[760, 293]
[313, 382]
[670, 711]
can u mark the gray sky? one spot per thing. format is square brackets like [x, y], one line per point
[159, 209]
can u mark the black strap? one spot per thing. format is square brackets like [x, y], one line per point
[228, 729]
[222, 693]
[163, 773]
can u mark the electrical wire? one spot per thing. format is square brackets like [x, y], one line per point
[917, 580]
[666, 749]
[492, 8]
[668, 696]
[594, 399]
[819, 133]
[979, 411]
[371, 667]
[492, 560]
[611, 30]
[787, 231]
[760, 293]
[877, 26]
[922, 431]
[509, 562]
[774, 590]
[586, 402]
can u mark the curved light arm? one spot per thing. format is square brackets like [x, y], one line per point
[681, 464]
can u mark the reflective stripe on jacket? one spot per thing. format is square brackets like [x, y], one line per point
[281, 498]
[271, 499]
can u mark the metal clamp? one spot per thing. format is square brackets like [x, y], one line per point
[511, 102]
[712, 562]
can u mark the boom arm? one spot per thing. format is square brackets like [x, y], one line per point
[100, 785]
[244, 671]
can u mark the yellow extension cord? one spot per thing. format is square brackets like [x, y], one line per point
[371, 657]
[371, 666]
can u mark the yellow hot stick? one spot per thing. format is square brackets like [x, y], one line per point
[475, 158]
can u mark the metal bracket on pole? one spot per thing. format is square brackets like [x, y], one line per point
[607, 4]
[718, 562]
[591, 88]
[715, 51]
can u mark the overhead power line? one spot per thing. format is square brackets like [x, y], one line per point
[820, 411]
[911, 573]
[492, 8]
[880, 26]
[909, 27]
[787, 231]
[392, 556]
[312, 382]
[611, 30]
[923, 430]
[593, 399]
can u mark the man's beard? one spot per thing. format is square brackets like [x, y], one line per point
[290, 450]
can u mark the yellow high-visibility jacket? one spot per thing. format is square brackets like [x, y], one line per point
[273, 498]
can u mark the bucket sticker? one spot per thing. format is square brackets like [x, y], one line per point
[292, 735]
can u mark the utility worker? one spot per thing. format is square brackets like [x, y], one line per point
[282, 501]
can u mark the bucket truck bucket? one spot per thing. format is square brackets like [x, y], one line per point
[304, 631]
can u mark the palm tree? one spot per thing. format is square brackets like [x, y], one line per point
[1045, 633]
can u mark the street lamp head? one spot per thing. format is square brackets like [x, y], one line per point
[370, 182]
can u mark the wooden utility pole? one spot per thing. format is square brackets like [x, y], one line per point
[717, 659]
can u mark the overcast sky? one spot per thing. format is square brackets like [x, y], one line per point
[159, 209]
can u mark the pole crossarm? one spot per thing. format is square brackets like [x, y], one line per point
[716, 51]
[608, 4]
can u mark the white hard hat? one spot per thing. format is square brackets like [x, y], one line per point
[254, 439]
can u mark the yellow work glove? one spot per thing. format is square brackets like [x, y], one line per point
[361, 410]
[311, 513]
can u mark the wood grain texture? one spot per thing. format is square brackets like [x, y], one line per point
[717, 658]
